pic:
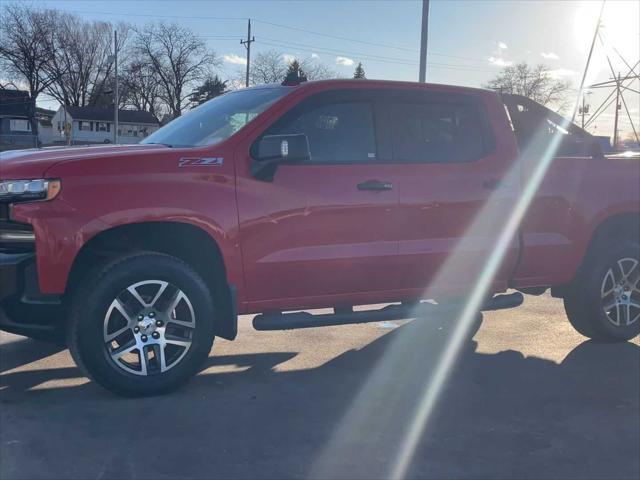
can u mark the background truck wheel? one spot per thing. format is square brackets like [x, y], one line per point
[142, 325]
[604, 301]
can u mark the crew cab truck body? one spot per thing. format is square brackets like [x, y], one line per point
[293, 197]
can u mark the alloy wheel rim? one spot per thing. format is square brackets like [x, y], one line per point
[620, 292]
[149, 327]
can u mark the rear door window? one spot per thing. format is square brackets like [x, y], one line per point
[432, 132]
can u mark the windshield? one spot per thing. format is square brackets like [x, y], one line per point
[217, 119]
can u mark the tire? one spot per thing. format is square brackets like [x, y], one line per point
[171, 320]
[597, 305]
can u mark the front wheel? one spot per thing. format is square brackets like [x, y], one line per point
[144, 326]
[604, 302]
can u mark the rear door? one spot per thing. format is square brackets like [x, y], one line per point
[456, 190]
[322, 230]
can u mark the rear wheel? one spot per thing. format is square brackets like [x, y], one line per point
[604, 302]
[144, 326]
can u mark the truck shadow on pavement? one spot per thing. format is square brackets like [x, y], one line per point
[500, 416]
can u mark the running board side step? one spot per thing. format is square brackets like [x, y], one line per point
[295, 320]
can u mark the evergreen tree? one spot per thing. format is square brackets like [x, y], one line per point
[359, 73]
[295, 73]
[211, 88]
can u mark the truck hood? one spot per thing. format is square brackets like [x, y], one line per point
[33, 163]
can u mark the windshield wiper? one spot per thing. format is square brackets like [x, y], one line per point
[159, 143]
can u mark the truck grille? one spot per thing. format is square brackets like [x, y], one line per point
[16, 237]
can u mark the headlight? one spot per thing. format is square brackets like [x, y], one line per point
[22, 190]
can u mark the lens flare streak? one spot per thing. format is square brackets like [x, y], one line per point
[390, 403]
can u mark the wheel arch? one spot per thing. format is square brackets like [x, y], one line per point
[195, 247]
[625, 225]
[621, 225]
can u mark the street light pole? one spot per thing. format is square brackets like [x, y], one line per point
[116, 99]
[423, 41]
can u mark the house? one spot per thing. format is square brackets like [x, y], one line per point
[16, 115]
[86, 125]
[46, 134]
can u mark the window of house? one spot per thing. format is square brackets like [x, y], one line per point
[438, 132]
[102, 127]
[129, 131]
[341, 132]
[19, 125]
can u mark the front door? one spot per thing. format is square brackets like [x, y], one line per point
[322, 230]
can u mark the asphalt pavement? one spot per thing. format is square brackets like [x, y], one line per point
[528, 398]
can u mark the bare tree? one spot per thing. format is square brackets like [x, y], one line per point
[25, 49]
[317, 70]
[140, 87]
[82, 61]
[535, 83]
[178, 57]
[267, 67]
[270, 66]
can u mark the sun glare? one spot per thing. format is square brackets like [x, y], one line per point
[620, 25]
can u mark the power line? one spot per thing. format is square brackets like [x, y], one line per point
[336, 51]
[279, 25]
[327, 35]
[348, 52]
[324, 51]
[372, 58]
[154, 15]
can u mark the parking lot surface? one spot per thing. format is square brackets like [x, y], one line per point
[528, 398]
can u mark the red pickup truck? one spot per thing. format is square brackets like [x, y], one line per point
[311, 195]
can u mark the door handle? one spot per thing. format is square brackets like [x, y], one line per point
[496, 184]
[491, 184]
[375, 185]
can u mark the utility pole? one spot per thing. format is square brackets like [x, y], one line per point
[116, 98]
[423, 41]
[247, 44]
[615, 121]
[586, 67]
[584, 110]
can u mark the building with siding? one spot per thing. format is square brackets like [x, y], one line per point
[89, 125]
[16, 116]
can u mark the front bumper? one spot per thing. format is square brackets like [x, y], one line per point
[13, 267]
[23, 309]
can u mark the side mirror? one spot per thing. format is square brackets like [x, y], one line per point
[272, 150]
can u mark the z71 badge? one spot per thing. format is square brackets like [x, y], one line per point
[201, 162]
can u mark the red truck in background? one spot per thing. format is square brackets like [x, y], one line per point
[307, 195]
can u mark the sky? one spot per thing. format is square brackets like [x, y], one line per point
[469, 41]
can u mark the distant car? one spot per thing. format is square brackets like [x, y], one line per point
[312, 195]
